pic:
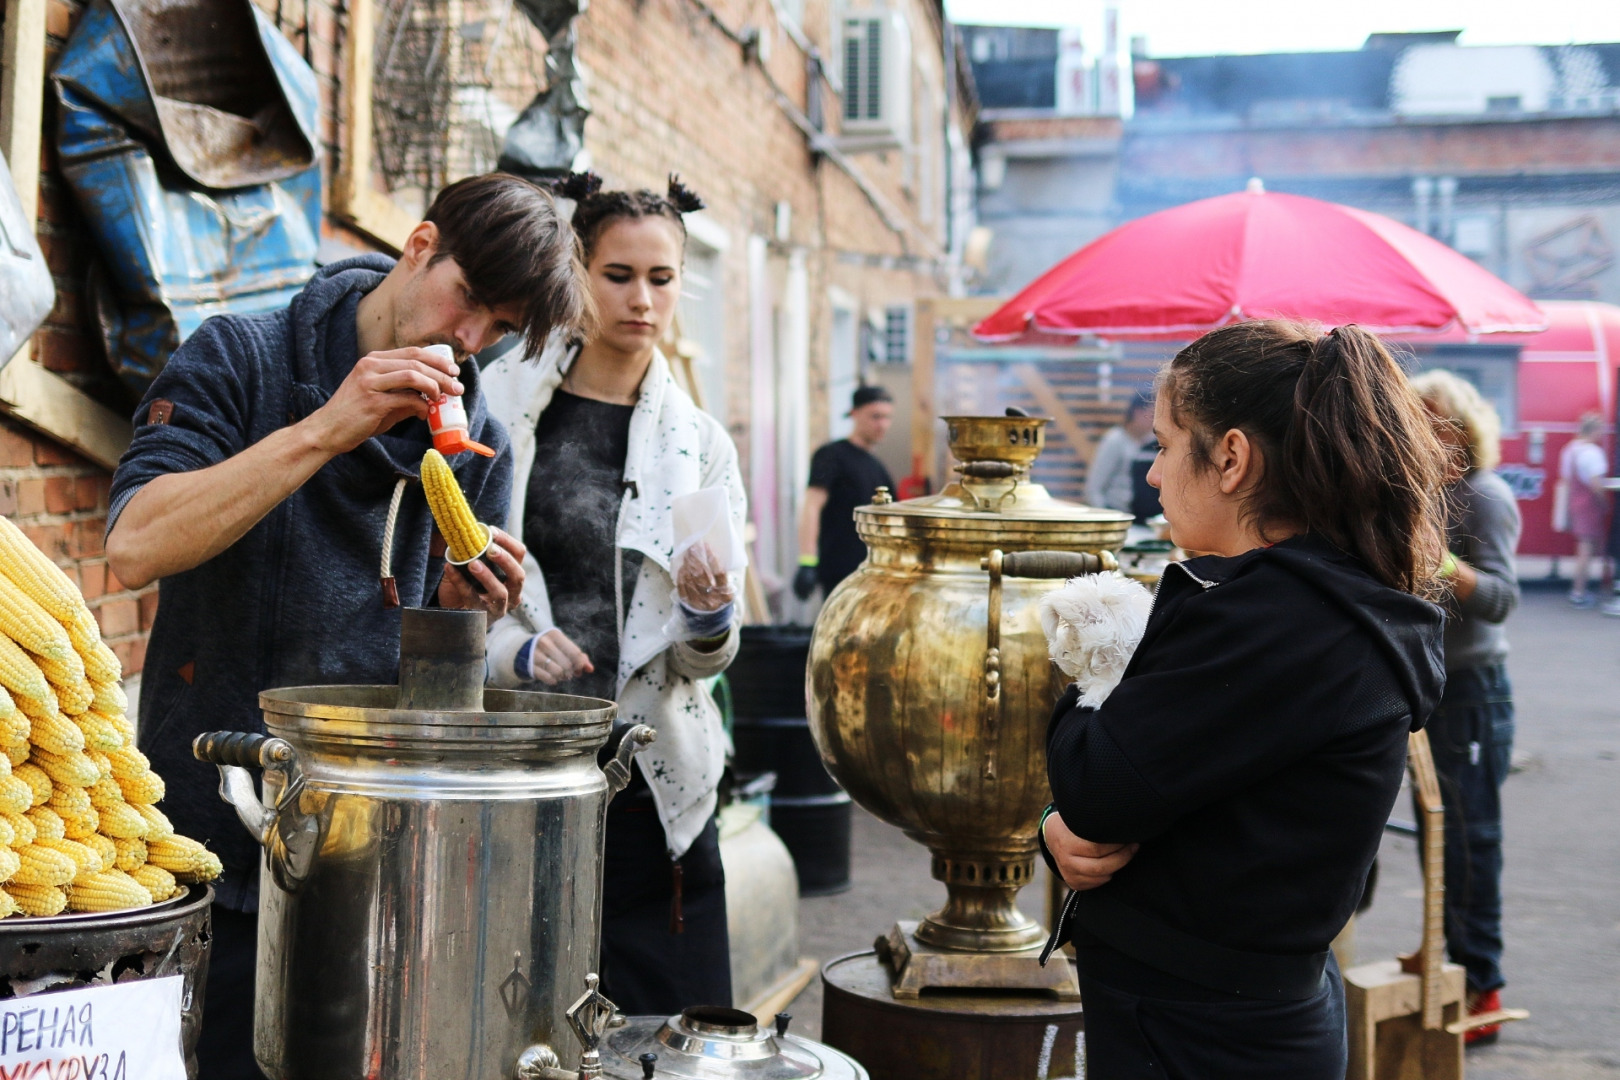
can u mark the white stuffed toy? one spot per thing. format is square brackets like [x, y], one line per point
[1093, 624]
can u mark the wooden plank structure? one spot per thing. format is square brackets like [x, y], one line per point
[1407, 1016]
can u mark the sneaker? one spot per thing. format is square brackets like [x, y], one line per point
[1489, 1001]
[1582, 600]
[1611, 608]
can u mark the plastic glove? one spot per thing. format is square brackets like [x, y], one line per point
[805, 581]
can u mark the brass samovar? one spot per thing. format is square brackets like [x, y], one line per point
[930, 688]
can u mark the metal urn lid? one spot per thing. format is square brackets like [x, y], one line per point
[713, 1043]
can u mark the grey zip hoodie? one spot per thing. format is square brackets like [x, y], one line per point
[297, 600]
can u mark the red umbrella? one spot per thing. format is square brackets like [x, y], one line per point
[1256, 254]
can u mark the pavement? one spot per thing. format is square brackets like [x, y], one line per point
[1561, 883]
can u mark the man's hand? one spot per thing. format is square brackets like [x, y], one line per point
[555, 658]
[1082, 864]
[380, 391]
[497, 599]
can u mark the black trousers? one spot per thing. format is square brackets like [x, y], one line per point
[649, 968]
[1131, 1036]
[225, 1044]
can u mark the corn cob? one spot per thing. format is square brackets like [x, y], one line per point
[79, 819]
[185, 858]
[32, 775]
[117, 817]
[10, 863]
[73, 693]
[8, 906]
[20, 674]
[157, 881]
[462, 533]
[158, 826]
[104, 847]
[110, 698]
[56, 734]
[43, 866]
[67, 770]
[100, 733]
[32, 571]
[8, 834]
[31, 626]
[100, 662]
[16, 753]
[101, 761]
[48, 824]
[137, 780]
[15, 795]
[36, 899]
[122, 723]
[128, 853]
[107, 890]
[84, 856]
[22, 829]
[14, 723]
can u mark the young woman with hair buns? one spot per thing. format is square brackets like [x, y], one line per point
[603, 440]
[1217, 815]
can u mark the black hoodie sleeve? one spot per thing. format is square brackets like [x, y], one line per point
[1239, 683]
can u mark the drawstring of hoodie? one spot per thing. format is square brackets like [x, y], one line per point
[389, 587]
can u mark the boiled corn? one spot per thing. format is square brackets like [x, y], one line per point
[128, 854]
[29, 690]
[139, 785]
[107, 890]
[48, 824]
[83, 855]
[105, 847]
[185, 858]
[14, 723]
[100, 662]
[43, 866]
[17, 752]
[121, 821]
[100, 732]
[15, 794]
[57, 734]
[157, 881]
[67, 770]
[79, 818]
[37, 576]
[31, 626]
[158, 826]
[36, 899]
[462, 533]
[8, 906]
[22, 828]
[10, 863]
[8, 834]
[73, 692]
[35, 777]
[110, 697]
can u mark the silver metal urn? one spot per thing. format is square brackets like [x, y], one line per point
[430, 890]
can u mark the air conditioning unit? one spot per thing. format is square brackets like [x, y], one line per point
[877, 78]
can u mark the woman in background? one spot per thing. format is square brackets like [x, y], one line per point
[603, 440]
[1471, 733]
[1218, 813]
[1582, 468]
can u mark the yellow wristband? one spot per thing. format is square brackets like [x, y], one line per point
[1448, 565]
[809, 560]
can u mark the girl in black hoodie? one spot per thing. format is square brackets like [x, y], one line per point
[1218, 814]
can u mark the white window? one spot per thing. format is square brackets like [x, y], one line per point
[895, 345]
[843, 367]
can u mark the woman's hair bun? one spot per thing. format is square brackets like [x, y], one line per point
[577, 186]
[682, 197]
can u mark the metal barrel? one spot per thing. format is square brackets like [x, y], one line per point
[441, 659]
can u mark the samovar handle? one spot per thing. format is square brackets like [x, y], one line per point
[1022, 564]
[289, 836]
[624, 743]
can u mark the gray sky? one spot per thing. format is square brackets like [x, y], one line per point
[1203, 27]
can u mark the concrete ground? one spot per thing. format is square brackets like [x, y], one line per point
[1562, 881]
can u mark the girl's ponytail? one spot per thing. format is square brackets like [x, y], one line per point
[1348, 450]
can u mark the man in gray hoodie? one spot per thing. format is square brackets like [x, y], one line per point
[257, 487]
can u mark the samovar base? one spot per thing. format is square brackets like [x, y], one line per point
[917, 966]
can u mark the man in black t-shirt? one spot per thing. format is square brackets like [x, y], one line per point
[843, 475]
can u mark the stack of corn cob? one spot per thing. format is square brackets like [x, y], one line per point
[78, 828]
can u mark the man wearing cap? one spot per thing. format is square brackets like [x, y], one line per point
[843, 475]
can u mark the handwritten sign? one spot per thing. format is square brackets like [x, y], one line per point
[126, 1031]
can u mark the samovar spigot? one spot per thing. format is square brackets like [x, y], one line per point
[589, 1016]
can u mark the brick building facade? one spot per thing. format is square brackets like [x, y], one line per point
[802, 269]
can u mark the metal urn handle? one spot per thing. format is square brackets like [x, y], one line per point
[289, 836]
[631, 740]
[1023, 564]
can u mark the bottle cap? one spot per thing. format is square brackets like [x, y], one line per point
[455, 441]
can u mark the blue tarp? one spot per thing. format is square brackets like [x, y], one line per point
[197, 210]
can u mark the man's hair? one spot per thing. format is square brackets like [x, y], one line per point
[513, 247]
[1141, 401]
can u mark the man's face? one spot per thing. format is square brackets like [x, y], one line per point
[872, 421]
[437, 307]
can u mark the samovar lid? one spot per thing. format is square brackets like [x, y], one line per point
[993, 488]
[715, 1043]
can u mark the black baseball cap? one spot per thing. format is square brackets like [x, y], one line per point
[865, 395]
